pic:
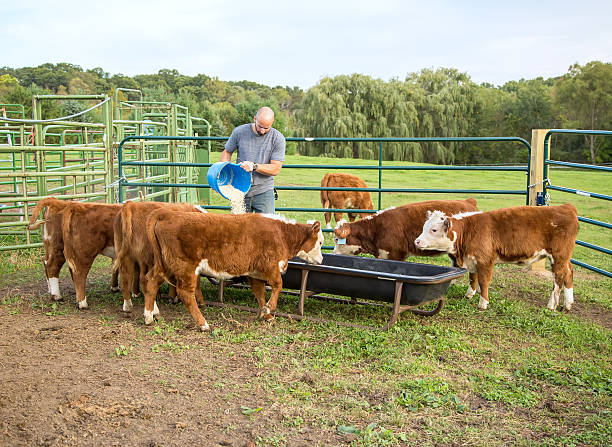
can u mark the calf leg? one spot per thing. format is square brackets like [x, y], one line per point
[186, 291]
[277, 285]
[153, 281]
[114, 280]
[79, 276]
[259, 290]
[352, 217]
[568, 287]
[338, 217]
[53, 261]
[484, 273]
[198, 292]
[562, 277]
[327, 219]
[129, 275]
[473, 287]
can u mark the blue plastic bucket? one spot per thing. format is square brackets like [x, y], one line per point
[226, 173]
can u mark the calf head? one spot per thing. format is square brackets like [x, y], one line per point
[311, 247]
[435, 233]
[345, 243]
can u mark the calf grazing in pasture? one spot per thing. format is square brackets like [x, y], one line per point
[522, 235]
[74, 232]
[390, 234]
[134, 253]
[344, 199]
[186, 245]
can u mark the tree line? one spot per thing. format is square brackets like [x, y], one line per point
[439, 102]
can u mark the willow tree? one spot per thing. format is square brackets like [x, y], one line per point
[446, 104]
[354, 106]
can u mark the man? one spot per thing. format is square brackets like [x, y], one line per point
[261, 150]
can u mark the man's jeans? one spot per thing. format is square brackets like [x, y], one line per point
[261, 203]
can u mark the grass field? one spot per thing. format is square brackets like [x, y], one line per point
[515, 374]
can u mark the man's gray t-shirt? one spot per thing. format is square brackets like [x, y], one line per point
[258, 149]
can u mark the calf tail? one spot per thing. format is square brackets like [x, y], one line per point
[158, 262]
[47, 202]
[68, 248]
[123, 237]
[324, 195]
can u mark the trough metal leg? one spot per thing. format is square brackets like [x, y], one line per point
[302, 291]
[220, 291]
[430, 313]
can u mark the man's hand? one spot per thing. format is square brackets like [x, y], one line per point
[248, 166]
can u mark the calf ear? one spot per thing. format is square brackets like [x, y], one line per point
[428, 214]
[343, 231]
[446, 225]
[316, 227]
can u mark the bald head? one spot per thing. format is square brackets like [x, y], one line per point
[264, 118]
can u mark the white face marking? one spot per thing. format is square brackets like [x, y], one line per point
[340, 223]
[82, 304]
[204, 269]
[383, 254]
[434, 236]
[109, 252]
[345, 249]
[314, 256]
[54, 288]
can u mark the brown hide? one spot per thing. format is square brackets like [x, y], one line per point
[134, 256]
[75, 233]
[515, 235]
[394, 230]
[232, 245]
[344, 199]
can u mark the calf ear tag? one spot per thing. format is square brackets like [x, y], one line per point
[341, 241]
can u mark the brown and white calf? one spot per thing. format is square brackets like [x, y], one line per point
[223, 246]
[134, 253]
[390, 234]
[74, 233]
[344, 199]
[522, 235]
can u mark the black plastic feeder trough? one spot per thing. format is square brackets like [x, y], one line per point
[405, 284]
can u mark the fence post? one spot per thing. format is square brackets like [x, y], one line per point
[536, 177]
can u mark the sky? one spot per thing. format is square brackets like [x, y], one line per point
[291, 43]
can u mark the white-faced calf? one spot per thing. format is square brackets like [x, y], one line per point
[520, 235]
[186, 245]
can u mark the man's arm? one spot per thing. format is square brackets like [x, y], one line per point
[225, 156]
[271, 169]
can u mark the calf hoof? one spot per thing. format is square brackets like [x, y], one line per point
[148, 317]
[204, 328]
[115, 289]
[483, 303]
[82, 304]
[268, 317]
[56, 297]
[127, 305]
[568, 306]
